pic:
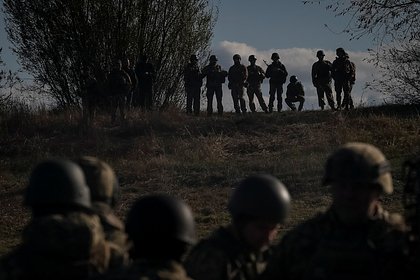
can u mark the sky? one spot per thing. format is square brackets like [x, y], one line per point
[294, 30]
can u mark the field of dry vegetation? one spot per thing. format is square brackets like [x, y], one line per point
[199, 159]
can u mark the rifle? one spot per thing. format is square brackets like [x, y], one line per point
[265, 62]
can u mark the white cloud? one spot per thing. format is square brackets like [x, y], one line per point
[298, 61]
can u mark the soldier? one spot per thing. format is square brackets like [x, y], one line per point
[350, 104]
[256, 76]
[342, 75]
[161, 229]
[215, 78]
[103, 185]
[193, 81]
[355, 238]
[126, 66]
[240, 250]
[321, 79]
[237, 76]
[277, 73]
[295, 93]
[90, 97]
[64, 239]
[145, 72]
[119, 84]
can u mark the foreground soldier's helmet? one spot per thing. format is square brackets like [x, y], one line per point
[275, 56]
[213, 58]
[320, 53]
[293, 79]
[101, 180]
[359, 163]
[236, 56]
[252, 58]
[160, 218]
[57, 183]
[260, 197]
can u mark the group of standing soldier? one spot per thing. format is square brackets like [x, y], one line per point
[239, 76]
[73, 233]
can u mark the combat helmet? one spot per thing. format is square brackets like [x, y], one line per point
[359, 163]
[293, 79]
[213, 58]
[236, 56]
[101, 180]
[252, 58]
[320, 53]
[57, 184]
[340, 51]
[275, 56]
[260, 197]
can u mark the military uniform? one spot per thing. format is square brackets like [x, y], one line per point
[237, 76]
[224, 257]
[324, 248]
[119, 84]
[295, 93]
[321, 79]
[277, 73]
[342, 75]
[59, 246]
[193, 81]
[145, 72]
[215, 77]
[255, 77]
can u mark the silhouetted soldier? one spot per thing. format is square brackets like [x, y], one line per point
[161, 229]
[64, 239]
[352, 81]
[119, 84]
[145, 72]
[256, 76]
[341, 73]
[321, 79]
[237, 76]
[215, 77]
[295, 93]
[277, 73]
[355, 238]
[91, 95]
[241, 250]
[126, 66]
[193, 80]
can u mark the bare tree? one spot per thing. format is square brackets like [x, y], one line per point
[8, 81]
[59, 42]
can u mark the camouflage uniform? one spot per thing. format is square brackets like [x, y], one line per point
[224, 257]
[60, 246]
[256, 76]
[193, 81]
[145, 72]
[295, 93]
[119, 84]
[321, 79]
[277, 73]
[237, 76]
[215, 78]
[342, 75]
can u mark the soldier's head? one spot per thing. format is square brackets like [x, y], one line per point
[340, 52]
[117, 64]
[213, 59]
[320, 54]
[193, 58]
[236, 58]
[101, 180]
[358, 173]
[160, 227]
[252, 59]
[257, 206]
[57, 186]
[275, 57]
[293, 79]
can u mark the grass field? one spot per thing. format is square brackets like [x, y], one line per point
[200, 159]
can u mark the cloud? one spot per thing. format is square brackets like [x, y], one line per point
[298, 61]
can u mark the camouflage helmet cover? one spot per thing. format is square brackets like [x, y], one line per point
[57, 183]
[359, 163]
[275, 56]
[100, 178]
[157, 218]
[260, 197]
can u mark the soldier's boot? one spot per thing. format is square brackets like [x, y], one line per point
[252, 107]
[300, 106]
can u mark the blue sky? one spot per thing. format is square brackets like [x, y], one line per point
[294, 30]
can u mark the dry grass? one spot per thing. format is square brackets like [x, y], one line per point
[200, 159]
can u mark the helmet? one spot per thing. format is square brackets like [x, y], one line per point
[57, 183]
[320, 53]
[293, 79]
[236, 56]
[252, 58]
[340, 51]
[213, 58]
[159, 218]
[260, 197]
[275, 56]
[101, 180]
[359, 163]
[193, 57]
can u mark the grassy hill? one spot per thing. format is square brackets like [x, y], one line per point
[199, 159]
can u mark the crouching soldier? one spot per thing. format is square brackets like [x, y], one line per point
[295, 93]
